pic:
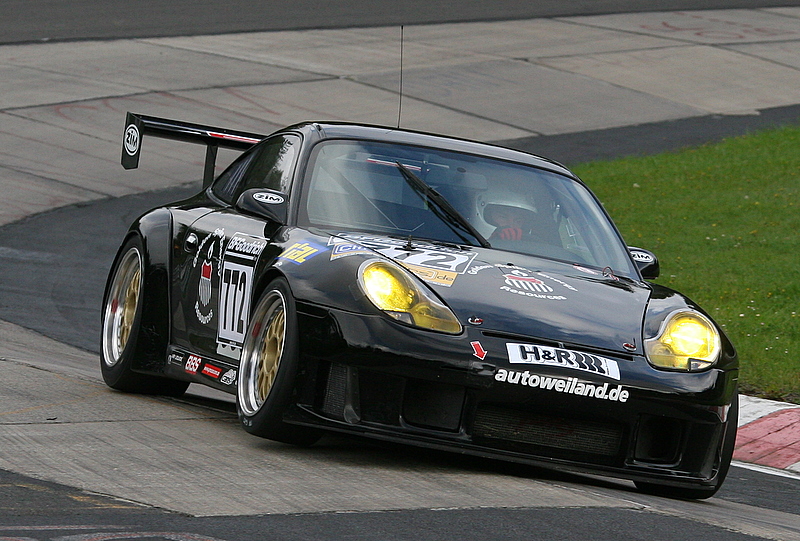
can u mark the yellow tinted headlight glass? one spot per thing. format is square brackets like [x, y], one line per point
[687, 341]
[394, 291]
[689, 336]
[387, 289]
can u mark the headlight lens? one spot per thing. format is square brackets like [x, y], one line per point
[394, 291]
[687, 341]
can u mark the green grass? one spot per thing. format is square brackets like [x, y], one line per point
[724, 221]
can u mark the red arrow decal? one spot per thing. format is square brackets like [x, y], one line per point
[478, 350]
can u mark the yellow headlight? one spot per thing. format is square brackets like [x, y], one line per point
[387, 288]
[687, 341]
[394, 291]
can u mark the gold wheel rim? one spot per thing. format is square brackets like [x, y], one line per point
[262, 352]
[119, 316]
[130, 300]
[270, 354]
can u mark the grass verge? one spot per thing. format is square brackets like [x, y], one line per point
[724, 221]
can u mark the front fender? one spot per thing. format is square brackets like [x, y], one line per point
[664, 301]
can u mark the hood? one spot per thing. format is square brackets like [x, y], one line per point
[545, 299]
[520, 295]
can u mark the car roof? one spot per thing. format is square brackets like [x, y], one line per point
[343, 130]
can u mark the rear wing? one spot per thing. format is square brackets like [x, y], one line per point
[137, 126]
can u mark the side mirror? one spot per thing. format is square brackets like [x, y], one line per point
[269, 204]
[646, 261]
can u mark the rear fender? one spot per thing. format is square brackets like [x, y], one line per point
[155, 231]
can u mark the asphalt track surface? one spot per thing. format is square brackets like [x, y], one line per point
[38, 510]
[71, 249]
[46, 20]
[33, 509]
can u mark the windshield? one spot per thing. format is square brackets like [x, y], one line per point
[365, 186]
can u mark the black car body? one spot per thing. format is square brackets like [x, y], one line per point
[361, 279]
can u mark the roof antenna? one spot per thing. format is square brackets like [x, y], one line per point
[400, 106]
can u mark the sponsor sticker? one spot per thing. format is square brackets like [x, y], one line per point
[228, 378]
[211, 371]
[175, 358]
[528, 283]
[344, 249]
[478, 268]
[565, 358]
[207, 257]
[192, 364]
[432, 276]
[642, 257]
[522, 283]
[556, 280]
[522, 279]
[573, 386]
[268, 198]
[300, 252]
[246, 246]
[131, 139]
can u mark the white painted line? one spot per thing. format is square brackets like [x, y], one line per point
[765, 469]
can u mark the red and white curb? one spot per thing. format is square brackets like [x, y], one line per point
[769, 434]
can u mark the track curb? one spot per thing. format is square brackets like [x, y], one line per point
[769, 434]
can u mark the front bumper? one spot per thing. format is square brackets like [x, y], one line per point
[435, 390]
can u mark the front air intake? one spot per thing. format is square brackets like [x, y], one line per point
[547, 431]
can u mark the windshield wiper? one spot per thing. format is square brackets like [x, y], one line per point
[453, 216]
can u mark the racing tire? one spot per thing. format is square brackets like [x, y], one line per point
[121, 322]
[268, 368]
[726, 455]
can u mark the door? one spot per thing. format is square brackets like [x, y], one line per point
[216, 256]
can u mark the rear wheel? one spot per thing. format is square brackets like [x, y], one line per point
[268, 368]
[726, 454]
[122, 315]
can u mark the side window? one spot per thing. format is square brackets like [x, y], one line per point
[225, 187]
[269, 165]
[272, 164]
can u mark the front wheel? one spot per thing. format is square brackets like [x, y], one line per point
[268, 368]
[122, 319]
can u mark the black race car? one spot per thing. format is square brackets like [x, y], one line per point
[420, 289]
